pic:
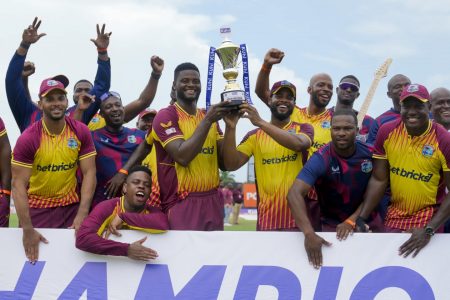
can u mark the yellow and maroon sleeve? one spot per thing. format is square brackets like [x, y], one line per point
[165, 126]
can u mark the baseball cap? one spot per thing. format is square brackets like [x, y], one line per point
[146, 112]
[283, 84]
[415, 90]
[58, 82]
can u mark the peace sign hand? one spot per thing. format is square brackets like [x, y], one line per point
[30, 35]
[102, 40]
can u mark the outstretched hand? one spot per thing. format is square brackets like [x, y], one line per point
[31, 35]
[102, 40]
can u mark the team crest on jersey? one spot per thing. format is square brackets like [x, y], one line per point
[169, 131]
[132, 139]
[95, 119]
[72, 143]
[326, 124]
[427, 151]
[366, 166]
[292, 130]
[335, 170]
[104, 140]
[166, 125]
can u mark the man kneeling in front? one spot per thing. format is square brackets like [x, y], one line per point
[130, 211]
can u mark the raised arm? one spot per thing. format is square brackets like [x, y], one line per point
[232, 158]
[102, 81]
[262, 88]
[18, 97]
[148, 94]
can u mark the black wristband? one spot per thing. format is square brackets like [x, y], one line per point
[361, 224]
[24, 45]
[102, 52]
[156, 76]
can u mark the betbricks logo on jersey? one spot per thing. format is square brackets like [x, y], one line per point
[207, 150]
[412, 174]
[56, 168]
[317, 145]
[279, 160]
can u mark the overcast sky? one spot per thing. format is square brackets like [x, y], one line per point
[336, 37]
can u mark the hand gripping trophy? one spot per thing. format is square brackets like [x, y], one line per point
[228, 54]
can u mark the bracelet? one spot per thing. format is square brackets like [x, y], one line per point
[266, 69]
[24, 45]
[102, 49]
[6, 192]
[351, 223]
[123, 171]
[156, 76]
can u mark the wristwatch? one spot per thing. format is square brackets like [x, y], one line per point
[429, 230]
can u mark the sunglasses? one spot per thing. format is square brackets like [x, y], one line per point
[110, 94]
[347, 85]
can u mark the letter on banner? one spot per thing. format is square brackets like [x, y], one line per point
[156, 284]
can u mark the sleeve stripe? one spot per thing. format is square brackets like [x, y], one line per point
[93, 153]
[172, 139]
[21, 164]
[3, 132]
[379, 156]
[149, 230]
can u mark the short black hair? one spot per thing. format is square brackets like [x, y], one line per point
[80, 81]
[345, 112]
[140, 168]
[351, 77]
[183, 67]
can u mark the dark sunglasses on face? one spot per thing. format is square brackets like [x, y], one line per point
[347, 85]
[109, 94]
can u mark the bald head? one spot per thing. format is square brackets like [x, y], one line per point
[395, 88]
[439, 93]
[318, 77]
[440, 106]
[397, 78]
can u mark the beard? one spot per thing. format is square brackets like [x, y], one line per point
[281, 116]
[316, 101]
[181, 96]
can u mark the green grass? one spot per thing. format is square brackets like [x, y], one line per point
[13, 221]
[244, 225]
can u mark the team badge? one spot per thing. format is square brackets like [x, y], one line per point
[132, 139]
[166, 125]
[104, 140]
[72, 143]
[325, 124]
[52, 83]
[169, 131]
[412, 88]
[95, 119]
[292, 130]
[427, 151]
[366, 166]
[335, 170]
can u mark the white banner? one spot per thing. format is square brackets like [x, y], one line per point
[226, 265]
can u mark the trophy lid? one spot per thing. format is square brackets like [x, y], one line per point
[227, 52]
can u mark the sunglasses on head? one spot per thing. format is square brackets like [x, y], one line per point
[110, 94]
[348, 85]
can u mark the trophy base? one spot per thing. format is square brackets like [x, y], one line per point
[236, 98]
